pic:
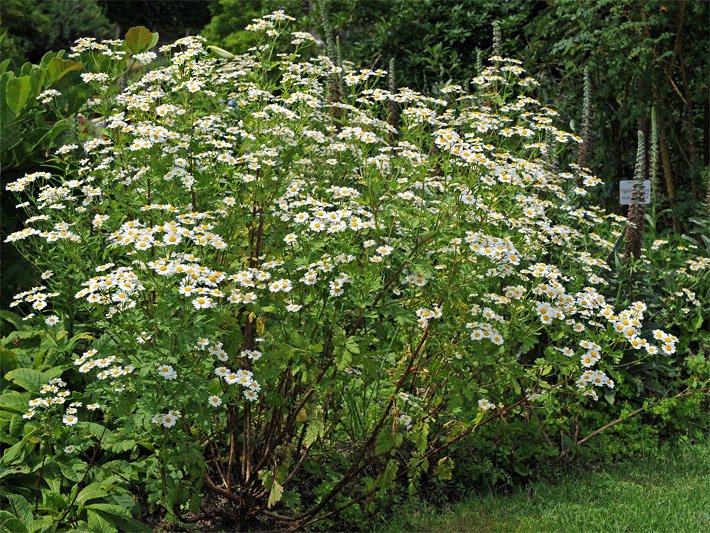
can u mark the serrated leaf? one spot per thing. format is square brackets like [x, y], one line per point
[95, 430]
[445, 468]
[99, 523]
[314, 430]
[8, 522]
[275, 494]
[387, 441]
[8, 360]
[13, 401]
[40, 524]
[30, 379]
[20, 507]
[73, 470]
[14, 319]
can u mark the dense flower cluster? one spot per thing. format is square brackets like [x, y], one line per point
[260, 233]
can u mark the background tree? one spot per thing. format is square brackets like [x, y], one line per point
[34, 27]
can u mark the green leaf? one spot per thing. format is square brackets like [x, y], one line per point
[315, 429]
[275, 494]
[27, 378]
[445, 468]
[386, 441]
[697, 321]
[153, 40]
[8, 360]
[95, 430]
[40, 524]
[110, 508]
[57, 68]
[20, 507]
[37, 79]
[91, 492]
[99, 523]
[51, 499]
[30, 379]
[17, 92]
[13, 318]
[8, 522]
[16, 452]
[73, 470]
[139, 39]
[220, 52]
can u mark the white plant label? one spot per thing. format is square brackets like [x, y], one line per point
[626, 188]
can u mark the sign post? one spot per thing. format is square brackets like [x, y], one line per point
[626, 189]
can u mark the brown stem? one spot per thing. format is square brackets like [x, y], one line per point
[356, 466]
[83, 478]
[682, 394]
[232, 421]
[246, 448]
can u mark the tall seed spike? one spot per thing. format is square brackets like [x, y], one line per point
[497, 38]
[634, 226]
[585, 147]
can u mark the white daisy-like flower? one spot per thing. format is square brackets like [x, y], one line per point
[70, 420]
[167, 372]
[485, 404]
[214, 401]
[168, 420]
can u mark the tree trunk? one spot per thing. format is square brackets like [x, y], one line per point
[667, 172]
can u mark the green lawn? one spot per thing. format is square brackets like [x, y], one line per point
[666, 493]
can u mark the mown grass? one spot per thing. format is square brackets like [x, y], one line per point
[669, 492]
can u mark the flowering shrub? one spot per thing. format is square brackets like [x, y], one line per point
[303, 287]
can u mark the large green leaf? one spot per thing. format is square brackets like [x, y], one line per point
[27, 378]
[99, 523]
[57, 68]
[275, 494]
[8, 522]
[30, 379]
[8, 360]
[20, 507]
[91, 492]
[17, 92]
[13, 401]
[14, 319]
[140, 39]
[37, 78]
[16, 453]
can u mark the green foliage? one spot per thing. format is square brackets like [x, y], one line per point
[639, 55]
[37, 26]
[260, 282]
[51, 477]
